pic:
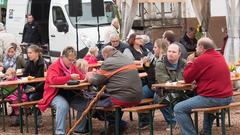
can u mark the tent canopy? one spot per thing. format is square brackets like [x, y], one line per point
[151, 1]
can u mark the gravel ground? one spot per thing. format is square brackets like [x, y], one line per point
[159, 125]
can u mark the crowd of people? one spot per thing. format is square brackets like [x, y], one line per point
[165, 60]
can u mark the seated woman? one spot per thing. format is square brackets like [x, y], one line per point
[60, 72]
[136, 51]
[35, 67]
[12, 59]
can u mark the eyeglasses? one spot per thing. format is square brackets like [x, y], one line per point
[114, 40]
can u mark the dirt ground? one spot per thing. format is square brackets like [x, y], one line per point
[159, 125]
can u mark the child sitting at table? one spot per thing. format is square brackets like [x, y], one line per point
[82, 65]
[91, 56]
[11, 94]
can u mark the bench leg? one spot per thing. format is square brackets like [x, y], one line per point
[20, 109]
[105, 123]
[196, 121]
[217, 119]
[139, 124]
[210, 128]
[35, 119]
[117, 121]
[130, 116]
[151, 122]
[90, 122]
[223, 121]
[70, 118]
[53, 121]
[21, 119]
[3, 115]
[73, 114]
[229, 119]
[26, 118]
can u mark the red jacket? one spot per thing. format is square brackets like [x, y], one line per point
[211, 74]
[90, 59]
[55, 75]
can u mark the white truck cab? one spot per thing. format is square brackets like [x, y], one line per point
[57, 28]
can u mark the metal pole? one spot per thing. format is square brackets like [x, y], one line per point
[77, 37]
[98, 29]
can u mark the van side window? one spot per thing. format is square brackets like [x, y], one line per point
[58, 16]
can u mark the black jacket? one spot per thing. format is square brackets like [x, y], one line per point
[189, 44]
[35, 70]
[31, 33]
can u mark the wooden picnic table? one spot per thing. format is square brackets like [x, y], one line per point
[235, 78]
[99, 64]
[19, 82]
[79, 86]
[83, 84]
[173, 86]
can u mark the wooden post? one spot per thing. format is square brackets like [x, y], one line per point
[85, 113]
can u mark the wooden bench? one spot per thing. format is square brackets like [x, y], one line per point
[112, 108]
[29, 104]
[117, 110]
[26, 104]
[145, 108]
[222, 110]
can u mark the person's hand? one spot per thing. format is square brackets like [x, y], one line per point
[191, 58]
[75, 76]
[90, 75]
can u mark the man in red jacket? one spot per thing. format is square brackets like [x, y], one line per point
[210, 72]
[60, 72]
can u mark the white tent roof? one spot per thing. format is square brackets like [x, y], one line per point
[145, 1]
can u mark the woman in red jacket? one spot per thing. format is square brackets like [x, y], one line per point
[60, 72]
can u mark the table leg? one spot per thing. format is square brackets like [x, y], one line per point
[20, 109]
[3, 114]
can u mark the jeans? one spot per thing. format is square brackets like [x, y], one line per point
[147, 92]
[183, 109]
[62, 107]
[166, 112]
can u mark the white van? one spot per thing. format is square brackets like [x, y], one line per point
[58, 29]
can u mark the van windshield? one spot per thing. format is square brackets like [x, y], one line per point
[86, 20]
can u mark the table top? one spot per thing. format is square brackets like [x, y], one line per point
[173, 86]
[81, 85]
[99, 64]
[235, 78]
[22, 81]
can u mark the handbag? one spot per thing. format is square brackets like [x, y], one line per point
[73, 82]
[104, 101]
[172, 98]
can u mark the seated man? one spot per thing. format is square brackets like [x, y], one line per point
[188, 40]
[116, 43]
[169, 68]
[210, 72]
[60, 72]
[120, 76]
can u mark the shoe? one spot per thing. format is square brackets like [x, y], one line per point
[39, 121]
[144, 125]
[80, 133]
[168, 128]
[16, 123]
[111, 129]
